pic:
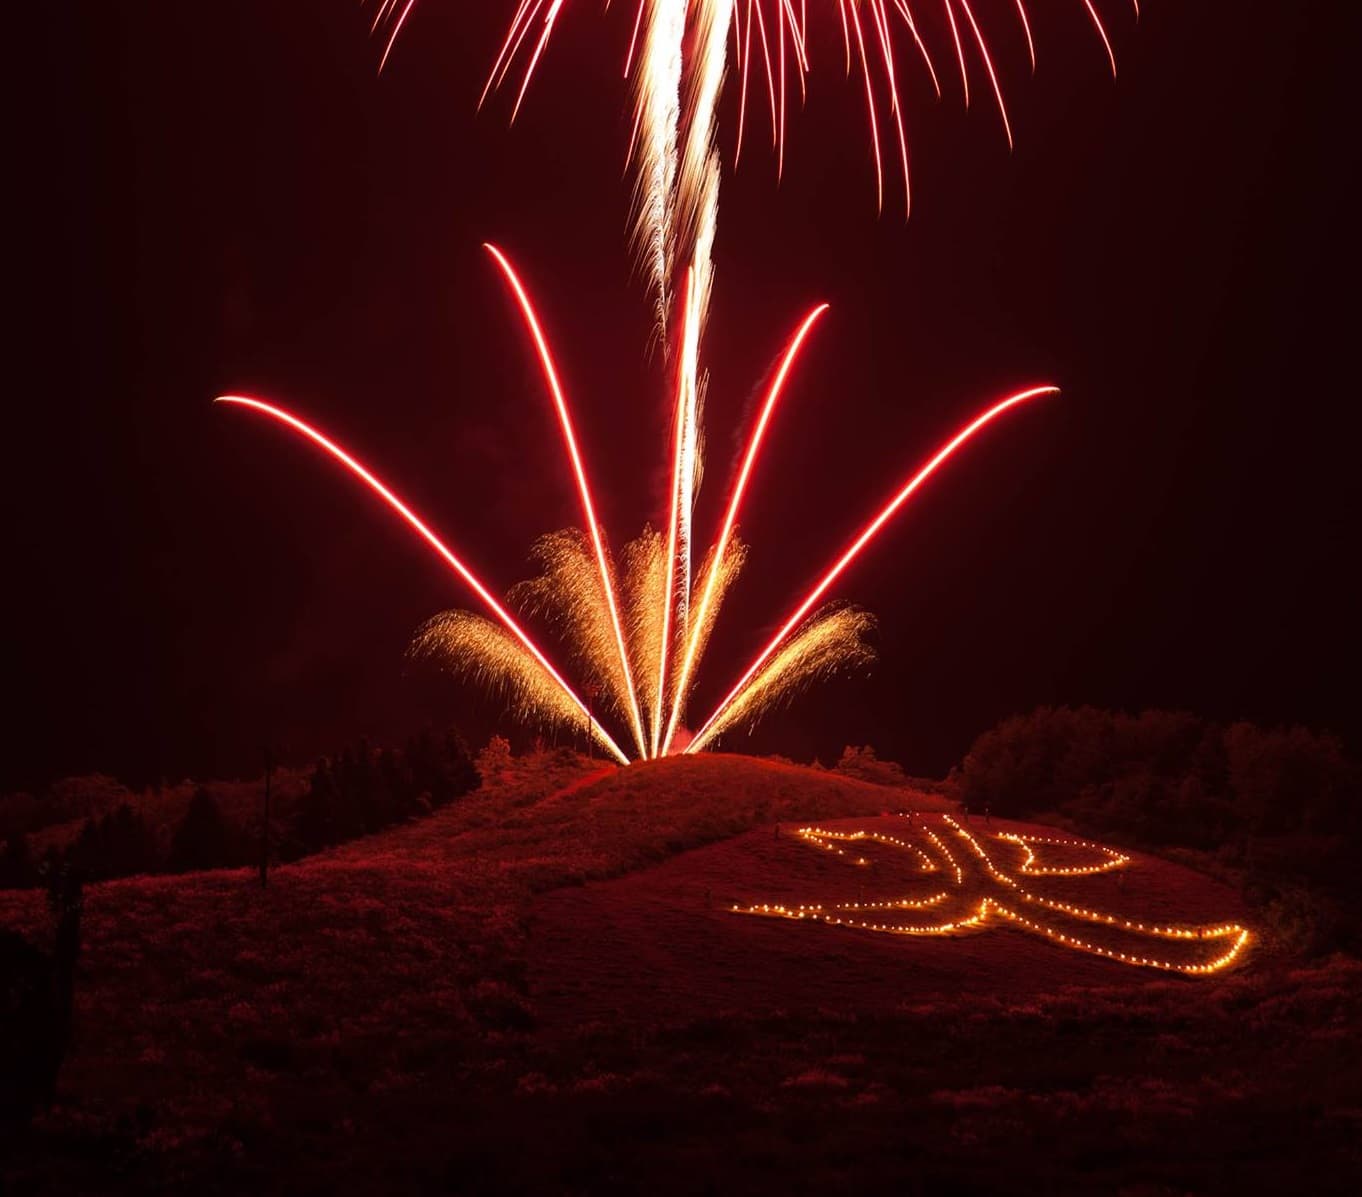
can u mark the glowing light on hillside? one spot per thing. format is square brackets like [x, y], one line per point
[989, 891]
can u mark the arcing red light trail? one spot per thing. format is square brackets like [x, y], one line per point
[583, 488]
[871, 530]
[299, 426]
[731, 516]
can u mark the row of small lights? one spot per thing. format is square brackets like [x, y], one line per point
[959, 872]
[816, 912]
[1115, 860]
[1241, 940]
[1240, 933]
[996, 873]
[940, 847]
[812, 910]
[820, 837]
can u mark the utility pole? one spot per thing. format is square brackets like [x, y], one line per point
[265, 822]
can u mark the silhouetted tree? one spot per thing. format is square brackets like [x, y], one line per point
[265, 836]
[16, 865]
[36, 1002]
[494, 761]
[347, 812]
[864, 765]
[460, 768]
[371, 793]
[203, 839]
[127, 843]
[314, 828]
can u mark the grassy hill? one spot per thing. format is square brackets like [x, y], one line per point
[538, 989]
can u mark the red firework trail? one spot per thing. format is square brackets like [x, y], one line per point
[583, 487]
[867, 534]
[504, 616]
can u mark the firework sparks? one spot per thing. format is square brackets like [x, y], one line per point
[566, 595]
[477, 649]
[644, 576]
[677, 59]
[831, 641]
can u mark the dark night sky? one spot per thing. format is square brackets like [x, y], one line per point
[225, 198]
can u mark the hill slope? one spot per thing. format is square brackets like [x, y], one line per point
[392, 1014]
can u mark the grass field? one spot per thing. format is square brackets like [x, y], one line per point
[540, 988]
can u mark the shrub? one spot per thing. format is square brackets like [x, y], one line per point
[203, 839]
[17, 870]
[494, 761]
[864, 765]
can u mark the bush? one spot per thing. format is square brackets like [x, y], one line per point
[17, 870]
[118, 845]
[203, 839]
[494, 761]
[864, 765]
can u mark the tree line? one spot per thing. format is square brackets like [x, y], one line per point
[355, 793]
[1279, 809]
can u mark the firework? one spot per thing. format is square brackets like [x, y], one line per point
[570, 595]
[677, 58]
[640, 639]
[566, 597]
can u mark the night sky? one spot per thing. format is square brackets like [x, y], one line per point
[225, 198]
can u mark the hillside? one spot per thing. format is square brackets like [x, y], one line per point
[552, 960]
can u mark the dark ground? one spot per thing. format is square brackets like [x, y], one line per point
[527, 992]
